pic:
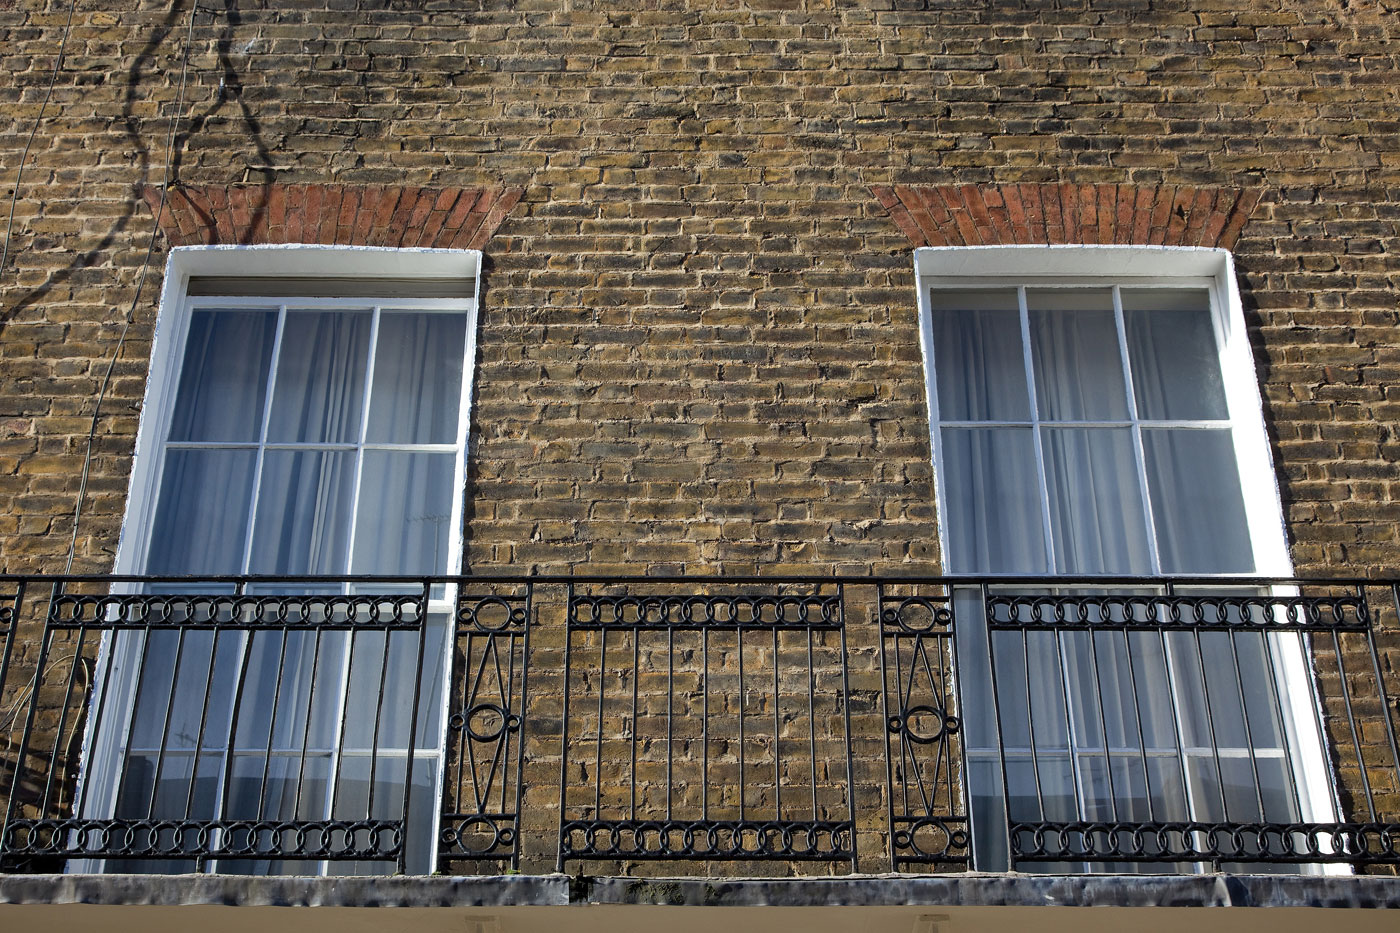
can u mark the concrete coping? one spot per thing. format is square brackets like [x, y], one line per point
[558, 890]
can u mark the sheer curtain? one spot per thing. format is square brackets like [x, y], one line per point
[1059, 458]
[285, 458]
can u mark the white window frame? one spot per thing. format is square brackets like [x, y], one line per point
[269, 262]
[290, 261]
[1148, 266]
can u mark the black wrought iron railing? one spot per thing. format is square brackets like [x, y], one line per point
[475, 724]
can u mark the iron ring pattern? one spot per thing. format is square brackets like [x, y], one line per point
[224, 839]
[477, 835]
[1186, 841]
[901, 615]
[931, 839]
[1177, 611]
[705, 611]
[805, 840]
[233, 611]
[475, 613]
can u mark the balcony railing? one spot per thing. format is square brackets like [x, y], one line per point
[463, 724]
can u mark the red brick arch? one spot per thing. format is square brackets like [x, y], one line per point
[998, 215]
[349, 215]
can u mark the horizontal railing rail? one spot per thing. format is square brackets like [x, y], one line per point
[291, 724]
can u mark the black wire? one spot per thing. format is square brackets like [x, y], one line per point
[140, 282]
[38, 121]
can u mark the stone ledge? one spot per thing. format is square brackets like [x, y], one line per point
[557, 890]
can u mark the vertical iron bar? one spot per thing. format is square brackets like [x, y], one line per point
[704, 724]
[1103, 723]
[379, 710]
[564, 742]
[463, 737]
[98, 718]
[1248, 730]
[238, 686]
[272, 721]
[1071, 736]
[846, 711]
[1351, 724]
[1030, 718]
[16, 607]
[961, 714]
[944, 698]
[670, 703]
[777, 726]
[203, 719]
[523, 720]
[412, 726]
[165, 723]
[23, 752]
[743, 782]
[306, 724]
[636, 668]
[1384, 695]
[996, 716]
[346, 689]
[1137, 718]
[1266, 638]
[1210, 723]
[63, 721]
[1170, 677]
[884, 714]
[812, 719]
[602, 689]
[907, 758]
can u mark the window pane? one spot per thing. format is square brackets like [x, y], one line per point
[320, 383]
[223, 380]
[1074, 347]
[1197, 503]
[994, 519]
[405, 513]
[417, 378]
[303, 518]
[978, 354]
[1172, 350]
[202, 518]
[1096, 514]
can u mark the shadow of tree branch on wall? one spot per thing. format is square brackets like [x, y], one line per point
[230, 89]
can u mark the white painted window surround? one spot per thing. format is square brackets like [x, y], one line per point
[332, 263]
[1052, 267]
[301, 417]
[1044, 465]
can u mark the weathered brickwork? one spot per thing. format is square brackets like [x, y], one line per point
[698, 345]
[998, 215]
[379, 215]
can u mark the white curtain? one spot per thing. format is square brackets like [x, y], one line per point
[298, 688]
[1097, 725]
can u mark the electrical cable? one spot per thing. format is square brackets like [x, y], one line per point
[170, 137]
[38, 121]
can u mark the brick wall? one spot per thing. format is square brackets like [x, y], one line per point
[698, 344]
[698, 347]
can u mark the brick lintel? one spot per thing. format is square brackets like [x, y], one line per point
[346, 215]
[1002, 215]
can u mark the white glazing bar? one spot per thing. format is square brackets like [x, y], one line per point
[1139, 458]
[338, 754]
[272, 369]
[1035, 433]
[360, 443]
